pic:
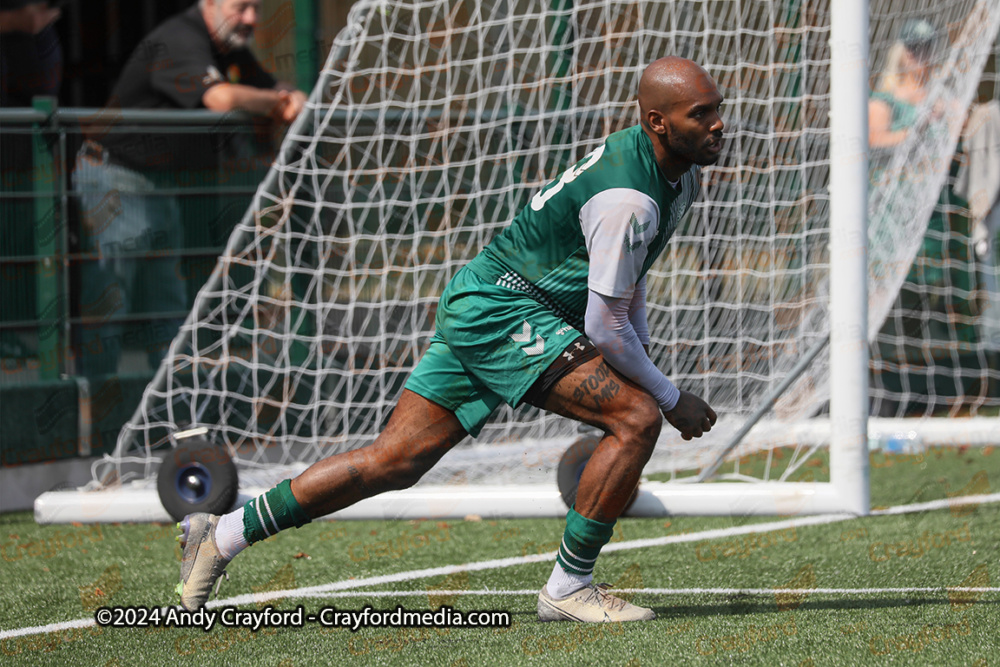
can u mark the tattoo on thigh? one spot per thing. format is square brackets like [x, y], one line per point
[598, 387]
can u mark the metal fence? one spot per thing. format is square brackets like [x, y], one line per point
[78, 343]
[57, 238]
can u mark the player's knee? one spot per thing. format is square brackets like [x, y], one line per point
[403, 475]
[641, 425]
[397, 470]
[392, 474]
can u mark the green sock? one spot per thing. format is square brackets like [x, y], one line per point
[582, 543]
[274, 511]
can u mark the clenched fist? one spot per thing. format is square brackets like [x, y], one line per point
[691, 416]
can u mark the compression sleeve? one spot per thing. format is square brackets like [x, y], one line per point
[637, 312]
[608, 326]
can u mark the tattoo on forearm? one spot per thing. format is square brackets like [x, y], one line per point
[599, 387]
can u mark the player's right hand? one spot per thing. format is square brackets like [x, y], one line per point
[691, 416]
[289, 105]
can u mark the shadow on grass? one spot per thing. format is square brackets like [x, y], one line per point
[738, 606]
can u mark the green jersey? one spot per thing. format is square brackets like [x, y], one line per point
[599, 226]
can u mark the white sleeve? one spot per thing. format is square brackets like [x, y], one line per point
[618, 225]
[608, 326]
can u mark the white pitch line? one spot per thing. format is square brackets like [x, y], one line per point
[44, 629]
[952, 503]
[89, 622]
[664, 591]
[335, 589]
[345, 584]
[717, 533]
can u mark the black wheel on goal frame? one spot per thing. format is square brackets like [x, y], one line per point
[197, 476]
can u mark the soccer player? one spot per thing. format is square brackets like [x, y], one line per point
[551, 309]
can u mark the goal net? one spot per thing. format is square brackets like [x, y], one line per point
[434, 122]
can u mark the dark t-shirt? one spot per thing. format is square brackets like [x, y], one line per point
[30, 65]
[172, 68]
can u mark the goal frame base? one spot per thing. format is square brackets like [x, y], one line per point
[139, 502]
[655, 499]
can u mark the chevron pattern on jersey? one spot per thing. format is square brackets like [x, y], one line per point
[513, 280]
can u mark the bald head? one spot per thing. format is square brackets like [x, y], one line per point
[668, 81]
[679, 108]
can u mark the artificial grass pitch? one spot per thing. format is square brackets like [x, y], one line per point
[54, 574]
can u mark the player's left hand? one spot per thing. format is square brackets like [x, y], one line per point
[692, 416]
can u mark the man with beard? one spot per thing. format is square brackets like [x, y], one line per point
[196, 59]
[552, 313]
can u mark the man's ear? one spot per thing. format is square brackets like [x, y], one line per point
[655, 121]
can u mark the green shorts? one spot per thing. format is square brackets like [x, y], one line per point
[490, 345]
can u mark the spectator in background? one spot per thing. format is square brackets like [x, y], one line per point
[902, 86]
[30, 54]
[196, 59]
[935, 312]
[978, 181]
[31, 65]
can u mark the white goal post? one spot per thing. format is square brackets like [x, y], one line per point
[433, 122]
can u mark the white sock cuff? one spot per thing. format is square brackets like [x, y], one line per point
[229, 537]
[562, 584]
